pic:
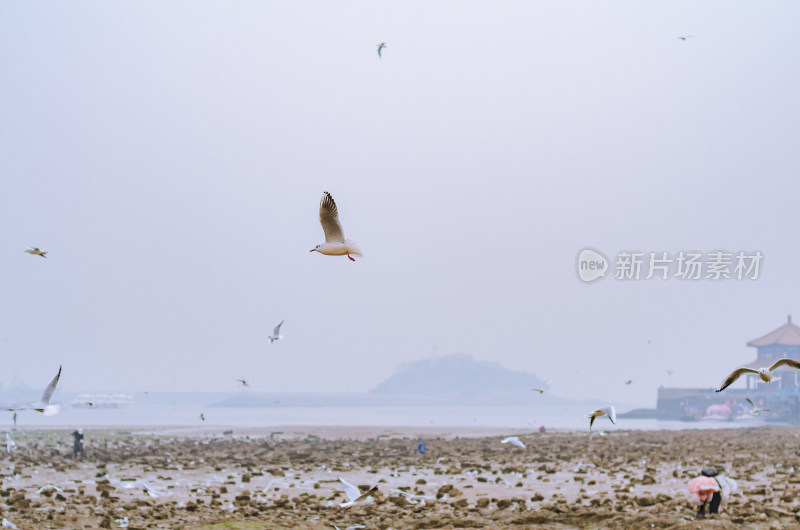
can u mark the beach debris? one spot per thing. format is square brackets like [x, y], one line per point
[354, 494]
[764, 373]
[513, 440]
[276, 333]
[8, 524]
[123, 522]
[335, 243]
[607, 411]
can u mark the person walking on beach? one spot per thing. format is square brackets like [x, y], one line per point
[706, 492]
[77, 445]
[421, 447]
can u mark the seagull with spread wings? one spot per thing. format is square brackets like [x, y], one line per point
[36, 252]
[381, 46]
[276, 333]
[608, 411]
[764, 373]
[43, 405]
[335, 244]
[513, 440]
[354, 494]
[755, 411]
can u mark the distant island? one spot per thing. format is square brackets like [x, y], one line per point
[456, 376]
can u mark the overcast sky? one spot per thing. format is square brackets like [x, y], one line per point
[170, 157]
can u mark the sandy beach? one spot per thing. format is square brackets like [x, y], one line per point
[286, 478]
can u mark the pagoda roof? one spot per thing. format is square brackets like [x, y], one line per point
[786, 335]
[758, 364]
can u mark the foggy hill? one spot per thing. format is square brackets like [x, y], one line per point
[456, 376]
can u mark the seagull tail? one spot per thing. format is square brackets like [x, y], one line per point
[353, 249]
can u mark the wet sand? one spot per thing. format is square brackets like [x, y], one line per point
[286, 478]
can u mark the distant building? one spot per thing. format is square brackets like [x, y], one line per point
[781, 396]
[783, 342]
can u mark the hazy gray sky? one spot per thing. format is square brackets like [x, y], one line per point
[171, 158]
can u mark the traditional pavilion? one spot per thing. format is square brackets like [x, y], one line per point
[783, 342]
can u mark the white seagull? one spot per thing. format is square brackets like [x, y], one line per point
[414, 499]
[276, 333]
[10, 444]
[140, 484]
[36, 252]
[354, 527]
[354, 494]
[335, 244]
[513, 440]
[381, 46]
[609, 411]
[755, 410]
[43, 405]
[765, 373]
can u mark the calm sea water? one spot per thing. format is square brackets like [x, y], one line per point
[571, 418]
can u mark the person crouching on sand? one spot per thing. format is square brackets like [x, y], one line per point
[705, 492]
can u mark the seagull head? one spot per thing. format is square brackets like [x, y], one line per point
[315, 248]
[765, 375]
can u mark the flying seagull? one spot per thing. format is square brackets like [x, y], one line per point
[764, 373]
[202, 417]
[36, 252]
[43, 405]
[354, 494]
[755, 410]
[381, 46]
[629, 381]
[540, 390]
[684, 37]
[513, 440]
[414, 499]
[609, 411]
[276, 333]
[335, 244]
[243, 382]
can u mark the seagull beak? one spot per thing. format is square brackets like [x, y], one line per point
[312, 250]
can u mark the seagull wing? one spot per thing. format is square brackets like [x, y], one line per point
[48, 392]
[329, 219]
[791, 363]
[612, 414]
[735, 375]
[352, 492]
[367, 493]
[277, 329]
[591, 420]
[751, 402]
